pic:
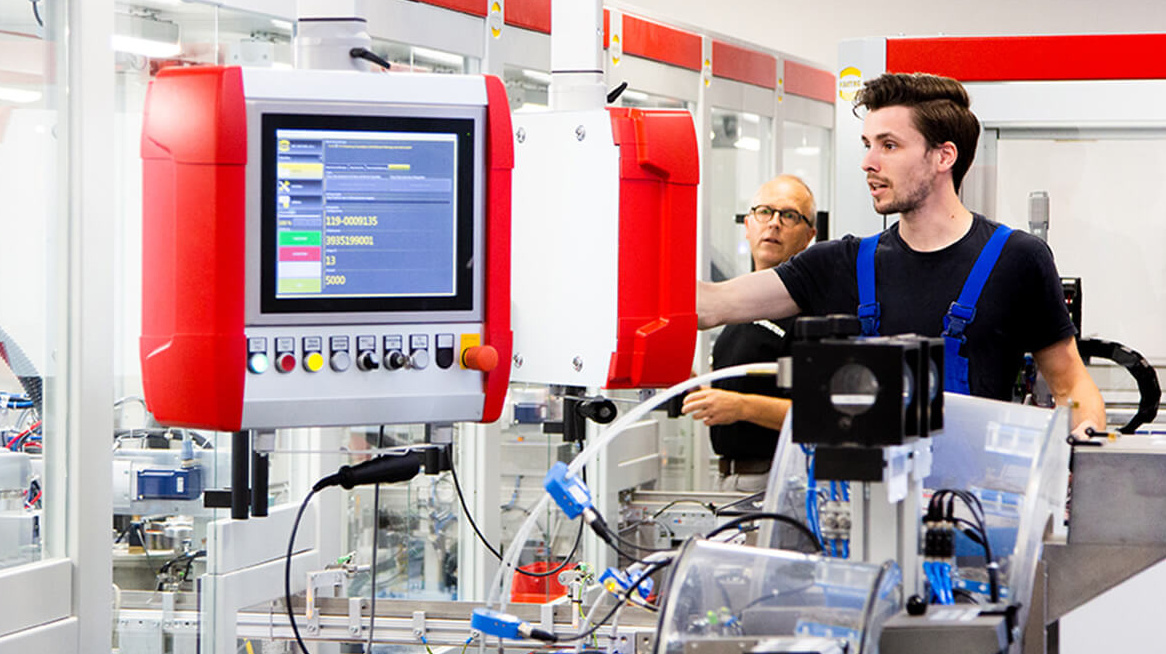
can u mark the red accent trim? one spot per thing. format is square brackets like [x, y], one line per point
[657, 42]
[194, 152]
[808, 82]
[475, 7]
[500, 164]
[606, 28]
[744, 65]
[659, 172]
[530, 14]
[1017, 58]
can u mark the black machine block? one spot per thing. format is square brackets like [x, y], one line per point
[866, 392]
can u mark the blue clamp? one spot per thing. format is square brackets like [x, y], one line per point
[496, 623]
[569, 493]
[957, 319]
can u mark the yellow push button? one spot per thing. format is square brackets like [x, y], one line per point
[314, 362]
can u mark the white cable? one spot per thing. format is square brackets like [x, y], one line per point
[500, 586]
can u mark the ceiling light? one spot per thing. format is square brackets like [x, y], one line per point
[144, 34]
[21, 96]
[807, 150]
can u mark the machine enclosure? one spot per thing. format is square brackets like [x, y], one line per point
[605, 219]
[195, 155]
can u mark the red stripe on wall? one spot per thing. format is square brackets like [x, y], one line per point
[744, 65]
[657, 42]
[530, 14]
[1017, 58]
[808, 82]
[475, 7]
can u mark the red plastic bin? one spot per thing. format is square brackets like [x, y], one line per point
[537, 590]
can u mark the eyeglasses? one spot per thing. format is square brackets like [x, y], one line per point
[788, 217]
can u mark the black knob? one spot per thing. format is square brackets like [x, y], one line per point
[395, 360]
[367, 360]
[916, 605]
[600, 410]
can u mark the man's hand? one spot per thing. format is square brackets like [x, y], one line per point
[1071, 385]
[714, 406]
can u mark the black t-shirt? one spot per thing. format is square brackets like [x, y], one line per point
[1021, 309]
[763, 341]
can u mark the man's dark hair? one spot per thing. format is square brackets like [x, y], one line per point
[939, 108]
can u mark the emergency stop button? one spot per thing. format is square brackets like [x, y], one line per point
[480, 357]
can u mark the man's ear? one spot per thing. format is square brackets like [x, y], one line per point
[947, 153]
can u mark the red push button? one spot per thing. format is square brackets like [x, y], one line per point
[480, 357]
[285, 362]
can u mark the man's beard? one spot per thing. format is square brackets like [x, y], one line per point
[908, 203]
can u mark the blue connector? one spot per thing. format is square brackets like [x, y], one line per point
[569, 493]
[504, 625]
[618, 581]
[496, 623]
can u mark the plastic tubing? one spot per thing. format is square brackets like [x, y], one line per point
[500, 586]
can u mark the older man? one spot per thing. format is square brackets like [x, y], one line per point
[745, 414]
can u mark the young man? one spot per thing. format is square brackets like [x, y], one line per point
[744, 415]
[920, 136]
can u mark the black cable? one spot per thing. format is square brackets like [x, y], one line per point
[498, 555]
[36, 13]
[369, 55]
[627, 595]
[750, 517]
[685, 500]
[637, 546]
[291, 615]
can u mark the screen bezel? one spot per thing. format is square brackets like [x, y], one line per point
[462, 297]
[265, 117]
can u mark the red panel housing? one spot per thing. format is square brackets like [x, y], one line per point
[643, 38]
[530, 14]
[744, 65]
[808, 82]
[194, 153]
[659, 172]
[499, 165]
[1026, 58]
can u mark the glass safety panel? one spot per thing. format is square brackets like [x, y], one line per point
[31, 138]
[162, 533]
[740, 160]
[807, 153]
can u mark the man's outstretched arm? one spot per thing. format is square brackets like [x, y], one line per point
[1061, 365]
[743, 299]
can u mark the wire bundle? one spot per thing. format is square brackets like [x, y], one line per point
[939, 541]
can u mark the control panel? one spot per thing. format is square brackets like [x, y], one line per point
[367, 373]
[325, 248]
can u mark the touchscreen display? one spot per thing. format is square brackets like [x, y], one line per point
[368, 219]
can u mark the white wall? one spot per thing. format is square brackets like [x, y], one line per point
[811, 29]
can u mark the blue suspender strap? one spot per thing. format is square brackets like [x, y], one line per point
[963, 311]
[868, 306]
